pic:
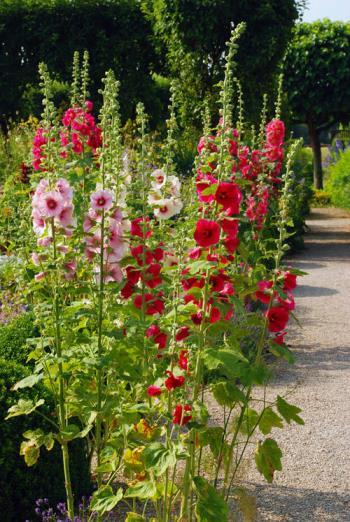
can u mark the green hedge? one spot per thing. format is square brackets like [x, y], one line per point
[13, 338]
[338, 182]
[20, 486]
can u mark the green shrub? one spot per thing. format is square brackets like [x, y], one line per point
[13, 338]
[338, 182]
[20, 486]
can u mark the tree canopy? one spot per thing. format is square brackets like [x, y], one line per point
[317, 79]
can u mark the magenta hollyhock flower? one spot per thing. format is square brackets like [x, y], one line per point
[154, 391]
[101, 200]
[51, 204]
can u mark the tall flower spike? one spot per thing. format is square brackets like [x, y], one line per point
[278, 105]
[263, 120]
[85, 77]
[75, 78]
[171, 124]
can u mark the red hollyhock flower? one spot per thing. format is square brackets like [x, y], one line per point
[172, 381]
[231, 244]
[229, 196]
[261, 293]
[182, 333]
[153, 391]
[277, 318]
[152, 330]
[140, 227]
[279, 339]
[154, 305]
[183, 360]
[161, 340]
[203, 182]
[179, 416]
[142, 255]
[197, 318]
[151, 275]
[214, 314]
[275, 133]
[127, 290]
[158, 253]
[195, 253]
[230, 226]
[132, 274]
[290, 281]
[288, 303]
[207, 233]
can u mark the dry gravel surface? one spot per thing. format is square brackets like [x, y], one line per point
[315, 482]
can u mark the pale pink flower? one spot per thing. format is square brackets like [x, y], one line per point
[167, 208]
[175, 185]
[70, 267]
[44, 241]
[64, 189]
[101, 200]
[39, 276]
[66, 217]
[51, 204]
[158, 178]
[35, 259]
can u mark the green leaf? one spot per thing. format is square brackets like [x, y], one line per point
[269, 420]
[71, 432]
[30, 451]
[228, 360]
[23, 407]
[104, 500]
[268, 458]
[226, 394]
[288, 411]
[210, 507]
[158, 458]
[142, 490]
[134, 517]
[281, 350]
[28, 382]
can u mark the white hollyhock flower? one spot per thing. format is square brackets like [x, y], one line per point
[175, 185]
[154, 197]
[158, 177]
[167, 208]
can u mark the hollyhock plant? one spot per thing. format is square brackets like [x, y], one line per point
[207, 233]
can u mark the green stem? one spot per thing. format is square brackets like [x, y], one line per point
[61, 390]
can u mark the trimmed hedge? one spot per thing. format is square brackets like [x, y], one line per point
[14, 335]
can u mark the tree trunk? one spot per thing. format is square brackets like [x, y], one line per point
[316, 149]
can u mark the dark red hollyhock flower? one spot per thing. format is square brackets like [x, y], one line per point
[154, 305]
[261, 293]
[153, 391]
[151, 275]
[132, 274]
[172, 381]
[279, 339]
[290, 281]
[127, 290]
[229, 196]
[230, 226]
[207, 233]
[152, 330]
[158, 253]
[277, 318]
[140, 227]
[182, 333]
[197, 318]
[142, 255]
[161, 340]
[183, 360]
[214, 314]
[192, 282]
[179, 416]
[231, 244]
[217, 282]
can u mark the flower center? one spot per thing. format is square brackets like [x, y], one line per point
[101, 202]
[52, 204]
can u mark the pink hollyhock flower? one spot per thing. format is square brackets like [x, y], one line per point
[173, 382]
[277, 318]
[229, 196]
[51, 204]
[35, 259]
[275, 133]
[207, 233]
[179, 416]
[71, 268]
[66, 217]
[64, 189]
[40, 276]
[89, 106]
[159, 178]
[44, 241]
[113, 273]
[38, 225]
[154, 391]
[101, 200]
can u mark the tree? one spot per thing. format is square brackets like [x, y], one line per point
[317, 80]
[191, 34]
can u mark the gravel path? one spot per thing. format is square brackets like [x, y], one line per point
[315, 482]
